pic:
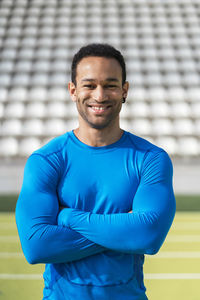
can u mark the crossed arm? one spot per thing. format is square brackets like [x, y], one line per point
[51, 236]
[42, 239]
[143, 231]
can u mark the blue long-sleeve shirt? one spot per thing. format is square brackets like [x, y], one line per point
[94, 248]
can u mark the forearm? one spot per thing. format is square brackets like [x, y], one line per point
[43, 242]
[142, 231]
[42, 239]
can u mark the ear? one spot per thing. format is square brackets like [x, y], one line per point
[125, 89]
[72, 91]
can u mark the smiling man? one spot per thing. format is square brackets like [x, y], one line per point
[95, 200]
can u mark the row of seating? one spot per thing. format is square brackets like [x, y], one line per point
[181, 147]
[58, 65]
[154, 94]
[137, 79]
[142, 126]
[136, 109]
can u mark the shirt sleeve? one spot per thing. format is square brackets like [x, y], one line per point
[42, 239]
[143, 231]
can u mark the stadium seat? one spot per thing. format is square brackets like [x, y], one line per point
[54, 127]
[23, 66]
[139, 109]
[162, 126]
[8, 147]
[32, 127]
[11, 127]
[35, 110]
[141, 126]
[58, 94]
[3, 94]
[180, 110]
[56, 109]
[37, 94]
[28, 145]
[195, 110]
[188, 146]
[159, 110]
[17, 94]
[168, 143]
[183, 127]
[14, 110]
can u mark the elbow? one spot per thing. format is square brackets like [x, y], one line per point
[153, 249]
[32, 256]
[155, 242]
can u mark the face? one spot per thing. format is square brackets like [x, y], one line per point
[98, 92]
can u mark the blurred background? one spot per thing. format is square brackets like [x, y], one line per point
[160, 40]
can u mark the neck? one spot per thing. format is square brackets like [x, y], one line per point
[98, 137]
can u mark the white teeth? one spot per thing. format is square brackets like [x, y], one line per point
[98, 108]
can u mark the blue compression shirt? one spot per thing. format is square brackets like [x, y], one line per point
[94, 249]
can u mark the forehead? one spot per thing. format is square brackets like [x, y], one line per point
[98, 68]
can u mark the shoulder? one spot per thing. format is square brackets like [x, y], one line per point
[51, 156]
[142, 145]
[54, 146]
[149, 155]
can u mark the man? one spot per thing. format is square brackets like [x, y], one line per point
[97, 198]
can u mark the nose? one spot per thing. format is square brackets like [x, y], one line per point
[99, 94]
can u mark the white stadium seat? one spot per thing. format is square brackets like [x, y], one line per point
[40, 79]
[159, 110]
[28, 145]
[188, 146]
[58, 94]
[195, 109]
[183, 127]
[162, 127]
[55, 127]
[139, 109]
[11, 127]
[35, 110]
[3, 94]
[8, 147]
[14, 110]
[32, 127]
[17, 94]
[56, 109]
[168, 143]
[180, 110]
[141, 126]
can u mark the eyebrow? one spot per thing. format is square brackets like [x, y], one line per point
[107, 79]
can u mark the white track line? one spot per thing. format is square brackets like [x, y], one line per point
[185, 238]
[168, 276]
[9, 238]
[11, 255]
[151, 276]
[20, 276]
[177, 254]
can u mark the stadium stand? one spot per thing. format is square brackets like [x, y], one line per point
[161, 44]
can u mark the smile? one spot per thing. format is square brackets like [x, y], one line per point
[99, 109]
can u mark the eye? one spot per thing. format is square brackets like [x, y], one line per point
[89, 86]
[111, 86]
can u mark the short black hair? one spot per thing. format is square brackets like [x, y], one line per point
[99, 50]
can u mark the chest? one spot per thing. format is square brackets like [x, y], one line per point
[101, 183]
